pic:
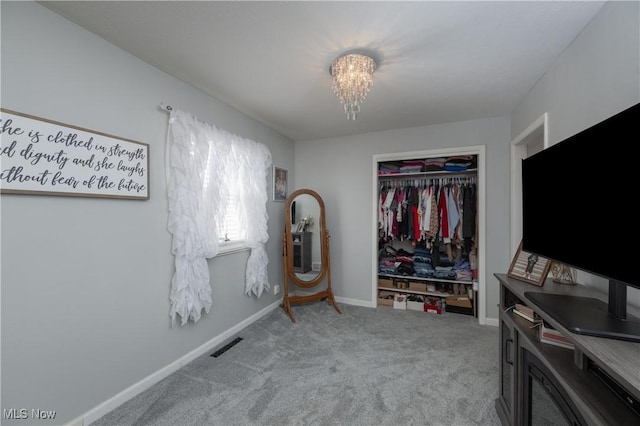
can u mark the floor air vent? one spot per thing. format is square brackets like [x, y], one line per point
[226, 347]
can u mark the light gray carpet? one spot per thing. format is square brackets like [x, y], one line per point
[365, 367]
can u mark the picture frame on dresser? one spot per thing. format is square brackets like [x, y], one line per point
[529, 267]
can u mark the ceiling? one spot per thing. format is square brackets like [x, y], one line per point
[438, 61]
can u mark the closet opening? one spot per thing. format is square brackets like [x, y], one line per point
[429, 237]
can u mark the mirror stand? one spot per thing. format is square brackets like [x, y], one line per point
[300, 248]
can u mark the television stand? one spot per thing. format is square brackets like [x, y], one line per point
[586, 315]
[597, 382]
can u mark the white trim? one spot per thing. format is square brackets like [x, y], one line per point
[230, 248]
[494, 322]
[482, 236]
[539, 128]
[355, 302]
[480, 151]
[144, 384]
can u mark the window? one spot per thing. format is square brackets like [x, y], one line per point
[217, 190]
[231, 230]
[233, 233]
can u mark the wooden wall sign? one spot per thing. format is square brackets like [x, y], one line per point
[45, 157]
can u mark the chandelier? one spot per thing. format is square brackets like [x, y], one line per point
[352, 79]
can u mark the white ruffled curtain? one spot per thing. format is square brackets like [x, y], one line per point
[200, 159]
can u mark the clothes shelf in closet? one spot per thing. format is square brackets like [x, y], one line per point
[463, 302]
[429, 166]
[443, 173]
[439, 283]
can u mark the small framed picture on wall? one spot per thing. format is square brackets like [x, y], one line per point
[529, 267]
[279, 184]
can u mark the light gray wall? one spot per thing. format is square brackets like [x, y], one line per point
[596, 77]
[85, 281]
[340, 170]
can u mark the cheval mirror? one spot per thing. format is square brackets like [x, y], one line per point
[306, 249]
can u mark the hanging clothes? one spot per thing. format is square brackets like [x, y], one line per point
[421, 210]
[435, 213]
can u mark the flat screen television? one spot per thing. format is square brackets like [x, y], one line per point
[578, 203]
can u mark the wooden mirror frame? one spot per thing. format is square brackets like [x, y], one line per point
[290, 274]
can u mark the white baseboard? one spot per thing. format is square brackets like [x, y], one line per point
[355, 302]
[367, 304]
[144, 384]
[492, 321]
[345, 300]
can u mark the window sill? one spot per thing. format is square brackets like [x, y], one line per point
[230, 248]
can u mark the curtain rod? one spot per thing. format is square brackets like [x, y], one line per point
[169, 108]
